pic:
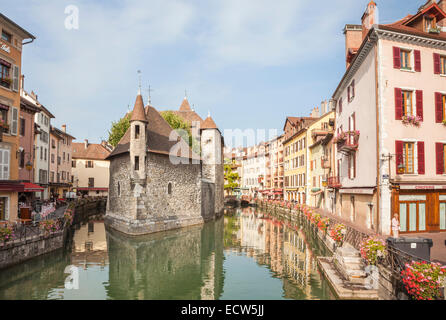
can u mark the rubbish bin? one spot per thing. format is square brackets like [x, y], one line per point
[418, 247]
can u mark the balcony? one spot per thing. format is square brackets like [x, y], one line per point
[347, 142]
[320, 132]
[334, 182]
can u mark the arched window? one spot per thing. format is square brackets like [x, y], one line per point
[169, 188]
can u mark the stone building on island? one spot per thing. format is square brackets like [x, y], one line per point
[157, 182]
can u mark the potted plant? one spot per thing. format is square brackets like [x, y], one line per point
[6, 234]
[372, 249]
[423, 280]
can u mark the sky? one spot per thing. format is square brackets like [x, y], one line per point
[249, 63]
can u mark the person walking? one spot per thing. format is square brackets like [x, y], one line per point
[396, 226]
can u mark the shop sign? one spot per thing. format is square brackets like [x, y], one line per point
[422, 187]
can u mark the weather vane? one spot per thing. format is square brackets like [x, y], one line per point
[150, 90]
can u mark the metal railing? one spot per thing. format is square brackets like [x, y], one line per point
[24, 231]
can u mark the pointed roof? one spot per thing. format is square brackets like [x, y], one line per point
[208, 124]
[138, 113]
[158, 137]
[185, 106]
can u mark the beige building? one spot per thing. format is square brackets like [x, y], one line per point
[90, 170]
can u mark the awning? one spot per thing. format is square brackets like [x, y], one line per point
[31, 187]
[92, 189]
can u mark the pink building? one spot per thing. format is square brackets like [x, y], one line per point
[27, 131]
[391, 122]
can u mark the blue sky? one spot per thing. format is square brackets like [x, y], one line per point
[250, 63]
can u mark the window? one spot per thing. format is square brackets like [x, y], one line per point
[91, 182]
[405, 60]
[429, 23]
[169, 188]
[407, 103]
[4, 114]
[52, 176]
[58, 161]
[351, 91]
[22, 159]
[45, 154]
[89, 164]
[440, 150]
[136, 163]
[63, 175]
[4, 208]
[52, 158]
[408, 157]
[22, 127]
[440, 107]
[6, 36]
[119, 189]
[64, 156]
[5, 79]
[443, 65]
[136, 132]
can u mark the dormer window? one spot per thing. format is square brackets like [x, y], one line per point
[430, 24]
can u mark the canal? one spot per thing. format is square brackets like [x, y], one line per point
[248, 254]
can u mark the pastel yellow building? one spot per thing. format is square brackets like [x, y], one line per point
[319, 136]
[295, 154]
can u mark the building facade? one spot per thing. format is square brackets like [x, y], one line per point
[90, 168]
[254, 169]
[275, 170]
[390, 123]
[11, 46]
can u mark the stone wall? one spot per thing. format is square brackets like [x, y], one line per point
[18, 251]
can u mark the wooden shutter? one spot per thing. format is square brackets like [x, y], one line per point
[353, 88]
[396, 58]
[14, 120]
[417, 58]
[398, 104]
[436, 63]
[438, 107]
[421, 165]
[440, 157]
[15, 78]
[419, 98]
[399, 154]
[349, 93]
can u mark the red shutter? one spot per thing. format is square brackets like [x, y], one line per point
[396, 58]
[419, 97]
[440, 157]
[417, 58]
[438, 107]
[399, 154]
[398, 104]
[436, 63]
[421, 166]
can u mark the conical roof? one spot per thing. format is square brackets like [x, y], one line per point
[208, 124]
[138, 113]
[185, 106]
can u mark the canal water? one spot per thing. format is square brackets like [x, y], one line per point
[248, 254]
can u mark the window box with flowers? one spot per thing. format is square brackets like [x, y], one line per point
[423, 280]
[6, 82]
[413, 120]
[4, 127]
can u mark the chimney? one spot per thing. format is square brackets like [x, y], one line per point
[353, 40]
[64, 128]
[86, 143]
[442, 23]
[368, 18]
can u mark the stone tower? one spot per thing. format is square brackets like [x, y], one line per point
[212, 155]
[138, 141]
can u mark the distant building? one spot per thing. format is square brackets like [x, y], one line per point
[254, 171]
[90, 168]
[60, 180]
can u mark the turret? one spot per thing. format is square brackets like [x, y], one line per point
[138, 140]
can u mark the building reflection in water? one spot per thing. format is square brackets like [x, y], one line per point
[183, 264]
[286, 251]
[89, 246]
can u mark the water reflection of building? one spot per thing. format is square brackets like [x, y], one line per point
[183, 264]
[285, 251]
[90, 245]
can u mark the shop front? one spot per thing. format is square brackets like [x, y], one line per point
[420, 208]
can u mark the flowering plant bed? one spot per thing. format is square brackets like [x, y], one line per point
[323, 224]
[6, 234]
[338, 233]
[423, 280]
[372, 249]
[49, 226]
[415, 120]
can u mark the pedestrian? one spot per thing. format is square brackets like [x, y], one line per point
[396, 226]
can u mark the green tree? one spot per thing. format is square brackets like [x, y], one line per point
[118, 129]
[182, 127]
[231, 178]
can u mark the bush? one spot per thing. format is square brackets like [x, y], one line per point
[6, 234]
[49, 226]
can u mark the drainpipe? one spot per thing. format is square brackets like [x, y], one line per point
[378, 159]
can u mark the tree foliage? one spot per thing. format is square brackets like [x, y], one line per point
[231, 178]
[118, 129]
[182, 127]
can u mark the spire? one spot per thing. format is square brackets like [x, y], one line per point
[185, 106]
[138, 113]
[208, 123]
